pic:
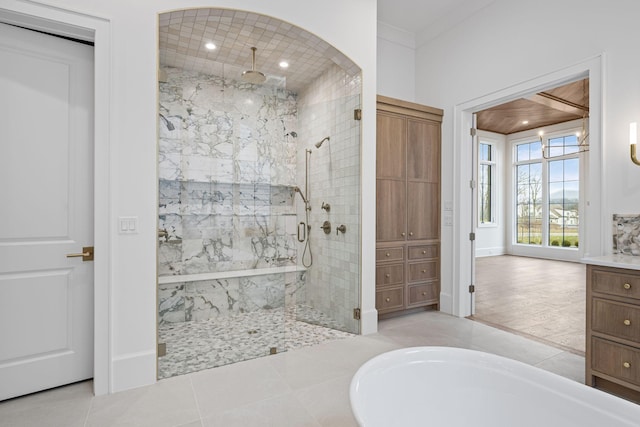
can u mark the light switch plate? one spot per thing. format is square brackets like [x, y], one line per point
[128, 225]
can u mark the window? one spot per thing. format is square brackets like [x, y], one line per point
[529, 193]
[486, 183]
[547, 192]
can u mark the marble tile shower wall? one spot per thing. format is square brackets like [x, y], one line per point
[226, 174]
[626, 234]
[325, 108]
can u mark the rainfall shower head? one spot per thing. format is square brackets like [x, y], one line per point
[319, 144]
[253, 76]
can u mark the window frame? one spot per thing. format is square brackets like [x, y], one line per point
[493, 165]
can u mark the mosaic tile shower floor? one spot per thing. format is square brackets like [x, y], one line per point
[197, 345]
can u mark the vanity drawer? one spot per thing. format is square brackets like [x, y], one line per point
[390, 254]
[616, 319]
[623, 285]
[617, 360]
[390, 299]
[421, 271]
[423, 252]
[423, 294]
[389, 274]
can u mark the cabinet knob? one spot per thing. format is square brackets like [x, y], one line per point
[387, 275]
[424, 252]
[411, 233]
[627, 286]
[424, 271]
[627, 322]
[403, 234]
[424, 293]
[388, 254]
[387, 299]
[626, 365]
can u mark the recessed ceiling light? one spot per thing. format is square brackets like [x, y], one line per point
[525, 122]
[210, 46]
[284, 64]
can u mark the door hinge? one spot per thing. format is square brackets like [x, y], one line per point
[472, 289]
[357, 114]
[356, 313]
[472, 131]
[472, 236]
[162, 349]
[472, 184]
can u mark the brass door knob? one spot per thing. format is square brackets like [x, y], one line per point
[424, 293]
[627, 286]
[627, 322]
[388, 254]
[626, 365]
[387, 275]
[402, 234]
[411, 233]
[387, 299]
[424, 271]
[424, 252]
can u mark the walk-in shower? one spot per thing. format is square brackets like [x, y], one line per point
[238, 277]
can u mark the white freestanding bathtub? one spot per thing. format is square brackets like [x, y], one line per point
[443, 386]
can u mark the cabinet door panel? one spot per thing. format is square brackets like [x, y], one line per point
[390, 210]
[423, 150]
[391, 134]
[423, 211]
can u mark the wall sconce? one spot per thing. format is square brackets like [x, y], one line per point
[633, 139]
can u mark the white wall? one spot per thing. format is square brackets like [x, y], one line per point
[514, 41]
[491, 239]
[131, 92]
[396, 63]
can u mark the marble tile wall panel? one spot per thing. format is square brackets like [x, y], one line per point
[226, 173]
[211, 299]
[626, 234]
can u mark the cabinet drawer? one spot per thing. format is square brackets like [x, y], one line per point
[421, 271]
[423, 294]
[624, 285]
[390, 300]
[389, 274]
[617, 360]
[390, 254]
[616, 319]
[423, 251]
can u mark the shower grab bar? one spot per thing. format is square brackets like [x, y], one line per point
[304, 232]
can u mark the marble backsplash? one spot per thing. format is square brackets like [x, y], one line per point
[626, 234]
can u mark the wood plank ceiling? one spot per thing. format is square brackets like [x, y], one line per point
[558, 105]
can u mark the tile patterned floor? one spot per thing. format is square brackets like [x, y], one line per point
[304, 387]
[199, 345]
[544, 300]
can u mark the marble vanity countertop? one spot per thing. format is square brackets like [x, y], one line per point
[616, 260]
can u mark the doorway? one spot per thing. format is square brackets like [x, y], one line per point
[591, 242]
[46, 270]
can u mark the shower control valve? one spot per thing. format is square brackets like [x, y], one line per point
[326, 206]
[341, 228]
[326, 226]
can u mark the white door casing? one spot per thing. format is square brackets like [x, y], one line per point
[46, 170]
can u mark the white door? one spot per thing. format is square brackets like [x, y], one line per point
[46, 211]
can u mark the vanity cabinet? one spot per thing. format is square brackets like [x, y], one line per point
[407, 206]
[613, 331]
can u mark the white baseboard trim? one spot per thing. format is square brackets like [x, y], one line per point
[369, 322]
[484, 252]
[134, 370]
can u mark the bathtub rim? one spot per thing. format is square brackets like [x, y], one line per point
[614, 406]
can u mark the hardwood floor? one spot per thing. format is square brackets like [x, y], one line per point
[539, 299]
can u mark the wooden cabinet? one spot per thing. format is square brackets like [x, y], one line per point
[408, 205]
[613, 331]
